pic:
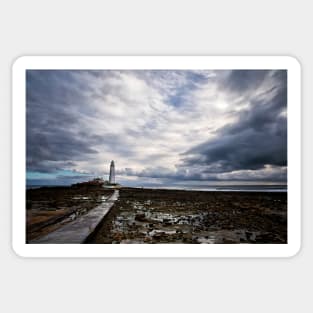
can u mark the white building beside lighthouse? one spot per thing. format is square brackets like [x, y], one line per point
[112, 173]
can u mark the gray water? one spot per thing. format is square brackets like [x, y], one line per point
[237, 188]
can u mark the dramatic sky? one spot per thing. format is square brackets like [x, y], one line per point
[160, 127]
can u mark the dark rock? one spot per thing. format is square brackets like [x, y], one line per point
[140, 217]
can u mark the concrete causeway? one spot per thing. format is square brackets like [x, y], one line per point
[78, 230]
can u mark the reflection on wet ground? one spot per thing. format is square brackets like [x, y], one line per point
[169, 216]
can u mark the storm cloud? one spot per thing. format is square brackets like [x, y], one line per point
[158, 125]
[258, 138]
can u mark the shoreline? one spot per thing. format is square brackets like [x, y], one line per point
[154, 215]
[217, 189]
[270, 188]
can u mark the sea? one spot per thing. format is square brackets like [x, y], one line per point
[233, 188]
[238, 188]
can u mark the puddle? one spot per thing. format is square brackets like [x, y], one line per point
[206, 240]
[80, 198]
[161, 231]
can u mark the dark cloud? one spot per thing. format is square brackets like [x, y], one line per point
[258, 138]
[201, 173]
[249, 150]
[242, 81]
[54, 105]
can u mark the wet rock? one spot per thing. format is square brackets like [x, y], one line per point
[218, 218]
[140, 217]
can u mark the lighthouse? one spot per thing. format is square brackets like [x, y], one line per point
[112, 173]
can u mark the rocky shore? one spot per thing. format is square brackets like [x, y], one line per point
[162, 216]
[176, 216]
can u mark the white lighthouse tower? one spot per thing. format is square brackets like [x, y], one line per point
[112, 173]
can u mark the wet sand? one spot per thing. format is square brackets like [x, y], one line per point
[177, 216]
